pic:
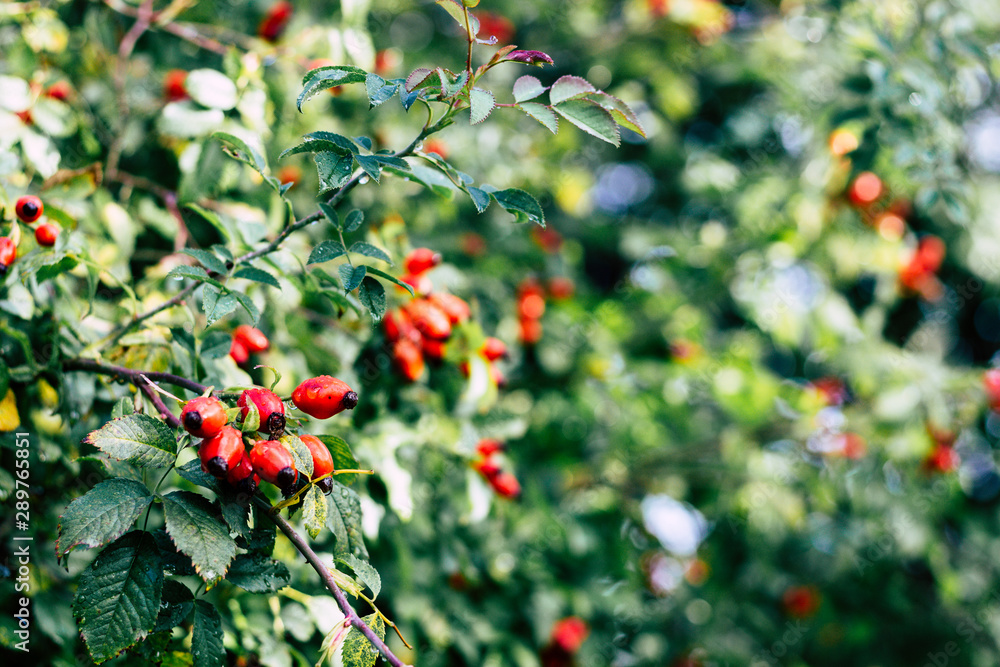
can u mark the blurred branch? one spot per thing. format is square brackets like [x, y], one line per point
[324, 573]
[125, 49]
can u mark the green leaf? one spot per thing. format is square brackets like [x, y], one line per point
[591, 118]
[251, 422]
[102, 515]
[368, 250]
[192, 472]
[351, 276]
[206, 638]
[524, 207]
[543, 114]
[195, 273]
[240, 150]
[249, 306]
[372, 296]
[321, 146]
[138, 439]
[345, 520]
[481, 104]
[354, 220]
[216, 345]
[216, 305]
[569, 87]
[455, 10]
[336, 139]
[480, 198]
[257, 573]
[300, 453]
[314, 509]
[123, 407]
[176, 602]
[257, 275]
[118, 598]
[235, 512]
[527, 88]
[343, 458]
[364, 572]
[197, 532]
[323, 78]
[357, 650]
[334, 170]
[46, 265]
[211, 218]
[379, 90]
[393, 279]
[620, 111]
[207, 259]
[326, 251]
[392, 161]
[330, 213]
[371, 166]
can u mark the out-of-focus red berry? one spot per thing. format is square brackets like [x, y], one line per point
[456, 308]
[421, 284]
[436, 146]
[252, 338]
[238, 351]
[531, 306]
[473, 244]
[174, 85]
[495, 25]
[548, 239]
[865, 190]
[801, 601]
[506, 485]
[429, 320]
[494, 349]
[561, 287]
[46, 234]
[8, 253]
[420, 260]
[831, 390]
[60, 90]
[570, 633]
[408, 359]
[489, 446]
[531, 331]
[275, 21]
[991, 383]
[943, 458]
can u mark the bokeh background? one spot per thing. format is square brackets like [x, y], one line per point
[754, 429]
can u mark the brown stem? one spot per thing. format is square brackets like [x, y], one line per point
[132, 375]
[139, 319]
[324, 573]
[150, 390]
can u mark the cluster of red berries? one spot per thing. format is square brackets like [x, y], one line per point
[568, 635]
[224, 454]
[421, 328]
[28, 210]
[488, 464]
[247, 340]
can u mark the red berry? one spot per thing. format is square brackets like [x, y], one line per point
[495, 25]
[494, 349]
[270, 407]
[421, 260]
[531, 306]
[430, 320]
[991, 382]
[8, 253]
[203, 416]
[60, 90]
[865, 189]
[323, 396]
[561, 287]
[275, 21]
[46, 234]
[531, 331]
[29, 208]
[497, 376]
[436, 146]
[174, 88]
[432, 348]
[489, 446]
[222, 452]
[801, 601]
[408, 358]
[322, 461]
[570, 633]
[454, 307]
[506, 485]
[831, 389]
[242, 477]
[238, 351]
[253, 339]
[488, 468]
[548, 239]
[397, 324]
[943, 458]
[274, 464]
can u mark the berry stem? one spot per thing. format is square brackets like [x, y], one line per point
[314, 560]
